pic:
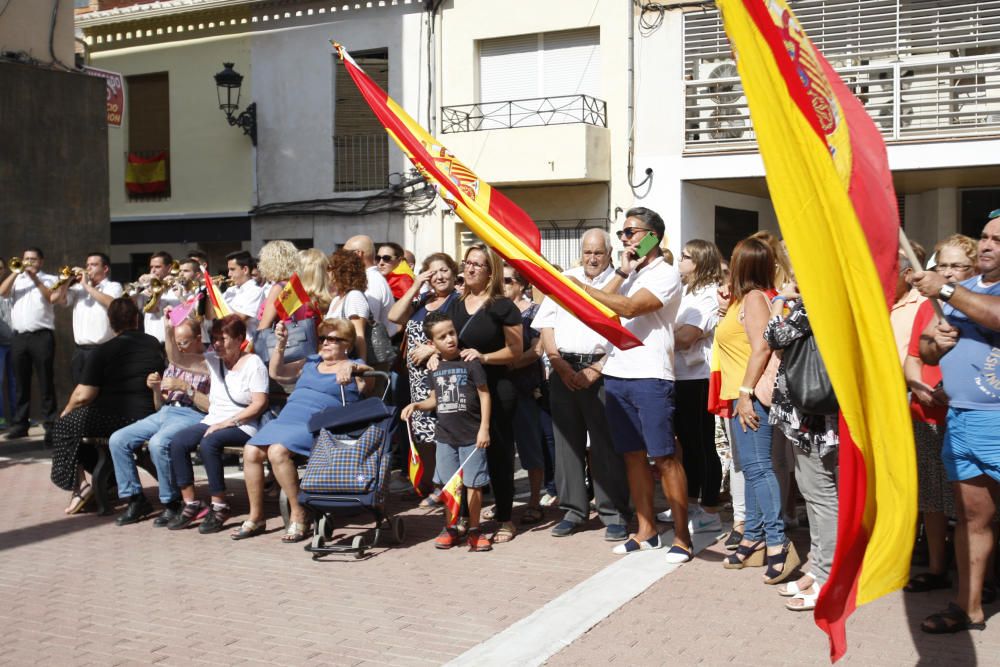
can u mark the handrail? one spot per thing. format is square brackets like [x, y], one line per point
[529, 112]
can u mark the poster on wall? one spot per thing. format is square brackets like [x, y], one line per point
[116, 93]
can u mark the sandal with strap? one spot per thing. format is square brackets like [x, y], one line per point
[951, 620]
[808, 597]
[296, 532]
[788, 558]
[751, 555]
[248, 529]
[927, 581]
[80, 499]
[792, 589]
[504, 534]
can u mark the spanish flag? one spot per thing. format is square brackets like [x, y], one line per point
[716, 405]
[416, 463]
[488, 213]
[292, 297]
[219, 304]
[451, 495]
[400, 279]
[830, 184]
[146, 175]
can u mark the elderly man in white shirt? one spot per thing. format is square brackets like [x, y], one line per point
[378, 292]
[639, 383]
[89, 293]
[577, 353]
[245, 295]
[34, 343]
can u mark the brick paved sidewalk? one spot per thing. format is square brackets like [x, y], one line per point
[81, 590]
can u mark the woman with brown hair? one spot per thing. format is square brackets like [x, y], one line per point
[744, 356]
[347, 286]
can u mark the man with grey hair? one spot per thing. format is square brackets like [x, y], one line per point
[577, 400]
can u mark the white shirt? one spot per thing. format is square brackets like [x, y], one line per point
[249, 377]
[699, 309]
[152, 322]
[654, 359]
[245, 300]
[90, 318]
[353, 304]
[380, 299]
[31, 311]
[571, 334]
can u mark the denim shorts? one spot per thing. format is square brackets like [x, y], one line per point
[448, 458]
[641, 415]
[971, 444]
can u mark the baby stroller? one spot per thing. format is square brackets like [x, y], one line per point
[348, 472]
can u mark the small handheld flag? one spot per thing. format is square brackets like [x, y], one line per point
[180, 313]
[292, 297]
[416, 464]
[214, 296]
[451, 494]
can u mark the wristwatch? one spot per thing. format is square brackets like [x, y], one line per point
[190, 391]
[621, 273]
[237, 423]
[946, 291]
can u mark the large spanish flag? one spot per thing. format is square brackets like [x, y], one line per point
[831, 187]
[488, 213]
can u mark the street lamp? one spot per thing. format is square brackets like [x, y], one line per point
[227, 84]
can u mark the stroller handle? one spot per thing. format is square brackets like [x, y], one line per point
[380, 375]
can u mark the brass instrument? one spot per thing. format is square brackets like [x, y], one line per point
[156, 287]
[15, 265]
[221, 281]
[67, 274]
[132, 289]
[175, 268]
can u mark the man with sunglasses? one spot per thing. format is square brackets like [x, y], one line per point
[378, 293]
[967, 347]
[645, 291]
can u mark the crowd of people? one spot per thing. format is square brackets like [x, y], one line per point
[486, 375]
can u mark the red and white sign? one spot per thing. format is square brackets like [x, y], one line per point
[116, 93]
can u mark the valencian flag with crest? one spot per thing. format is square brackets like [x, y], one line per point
[829, 179]
[488, 213]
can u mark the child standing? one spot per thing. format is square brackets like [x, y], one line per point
[462, 401]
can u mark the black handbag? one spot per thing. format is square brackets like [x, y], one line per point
[381, 351]
[806, 379]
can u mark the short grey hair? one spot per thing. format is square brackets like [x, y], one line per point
[605, 236]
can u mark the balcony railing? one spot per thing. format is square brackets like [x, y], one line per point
[909, 101]
[561, 110]
[360, 162]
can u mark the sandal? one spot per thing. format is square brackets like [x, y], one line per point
[80, 499]
[808, 597]
[927, 581]
[505, 533]
[792, 589]
[248, 529]
[951, 620]
[489, 513]
[478, 541]
[431, 501]
[788, 558]
[751, 555]
[532, 515]
[296, 532]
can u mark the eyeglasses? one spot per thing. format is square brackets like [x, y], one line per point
[993, 215]
[333, 339]
[183, 343]
[508, 281]
[629, 232]
[684, 255]
[954, 267]
[388, 259]
[474, 265]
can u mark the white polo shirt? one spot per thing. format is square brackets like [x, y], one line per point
[380, 299]
[699, 309]
[90, 318]
[31, 311]
[245, 300]
[152, 322]
[570, 333]
[654, 359]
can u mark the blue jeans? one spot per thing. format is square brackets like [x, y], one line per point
[159, 429]
[9, 405]
[763, 497]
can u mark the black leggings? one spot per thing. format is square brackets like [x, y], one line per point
[500, 453]
[695, 428]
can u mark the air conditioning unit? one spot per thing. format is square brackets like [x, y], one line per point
[723, 125]
[728, 91]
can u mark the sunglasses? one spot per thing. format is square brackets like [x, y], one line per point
[508, 281]
[629, 232]
[388, 259]
[333, 339]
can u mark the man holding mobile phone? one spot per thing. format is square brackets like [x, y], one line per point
[645, 292]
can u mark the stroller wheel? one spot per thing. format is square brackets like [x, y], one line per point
[398, 529]
[359, 547]
[325, 527]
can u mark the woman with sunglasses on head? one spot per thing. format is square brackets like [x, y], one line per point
[438, 273]
[323, 380]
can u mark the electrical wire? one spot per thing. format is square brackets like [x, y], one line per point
[411, 195]
[5, 6]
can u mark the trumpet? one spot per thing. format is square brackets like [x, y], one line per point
[156, 287]
[15, 265]
[132, 289]
[221, 281]
[175, 268]
[67, 274]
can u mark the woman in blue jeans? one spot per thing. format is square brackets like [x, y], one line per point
[744, 359]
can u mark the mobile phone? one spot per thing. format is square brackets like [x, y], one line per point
[648, 242]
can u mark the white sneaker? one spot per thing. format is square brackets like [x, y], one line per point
[665, 517]
[705, 522]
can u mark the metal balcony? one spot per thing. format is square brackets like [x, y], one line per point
[909, 101]
[532, 112]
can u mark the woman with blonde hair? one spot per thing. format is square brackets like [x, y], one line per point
[277, 262]
[314, 277]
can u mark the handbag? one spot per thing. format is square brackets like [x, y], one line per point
[381, 351]
[342, 464]
[806, 379]
[301, 343]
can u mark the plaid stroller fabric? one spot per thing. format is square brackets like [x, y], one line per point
[340, 464]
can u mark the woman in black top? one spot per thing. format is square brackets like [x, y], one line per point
[489, 331]
[112, 394]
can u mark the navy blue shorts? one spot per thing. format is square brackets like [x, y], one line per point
[641, 415]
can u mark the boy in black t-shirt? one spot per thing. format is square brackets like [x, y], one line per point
[462, 402]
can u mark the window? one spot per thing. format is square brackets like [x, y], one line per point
[547, 64]
[147, 174]
[732, 225]
[360, 143]
[975, 205]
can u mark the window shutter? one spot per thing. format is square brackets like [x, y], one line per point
[509, 68]
[571, 63]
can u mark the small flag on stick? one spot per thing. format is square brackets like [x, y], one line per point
[180, 313]
[416, 464]
[218, 303]
[292, 297]
[451, 494]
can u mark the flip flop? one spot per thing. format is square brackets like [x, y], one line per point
[80, 499]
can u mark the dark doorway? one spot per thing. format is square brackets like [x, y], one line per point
[975, 206]
[732, 225]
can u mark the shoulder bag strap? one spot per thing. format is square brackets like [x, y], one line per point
[222, 372]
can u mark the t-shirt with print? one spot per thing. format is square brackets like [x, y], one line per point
[971, 369]
[458, 410]
[483, 330]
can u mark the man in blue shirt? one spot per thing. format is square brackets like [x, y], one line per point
[967, 347]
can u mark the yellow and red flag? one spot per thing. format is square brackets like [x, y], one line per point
[717, 405]
[219, 304]
[292, 297]
[400, 279]
[451, 496]
[416, 463]
[146, 175]
[488, 213]
[830, 184]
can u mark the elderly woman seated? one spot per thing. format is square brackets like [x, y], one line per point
[112, 394]
[321, 381]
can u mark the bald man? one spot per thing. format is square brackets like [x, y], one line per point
[379, 294]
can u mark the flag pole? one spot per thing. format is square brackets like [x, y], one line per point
[904, 243]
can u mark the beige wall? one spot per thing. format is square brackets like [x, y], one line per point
[26, 25]
[211, 163]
